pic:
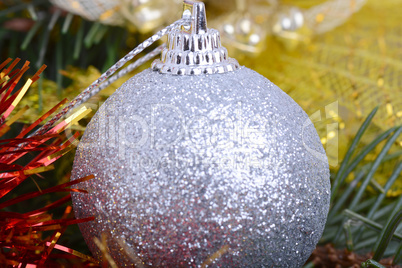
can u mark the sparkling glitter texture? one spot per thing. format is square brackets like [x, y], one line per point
[221, 170]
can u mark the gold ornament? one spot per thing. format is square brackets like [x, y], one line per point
[244, 33]
[142, 15]
[148, 15]
[247, 27]
[104, 11]
[244, 28]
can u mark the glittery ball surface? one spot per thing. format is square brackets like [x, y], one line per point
[221, 170]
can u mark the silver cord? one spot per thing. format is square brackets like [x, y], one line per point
[96, 86]
[125, 71]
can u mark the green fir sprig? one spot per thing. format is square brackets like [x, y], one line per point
[362, 218]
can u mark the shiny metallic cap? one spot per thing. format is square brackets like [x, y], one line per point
[194, 49]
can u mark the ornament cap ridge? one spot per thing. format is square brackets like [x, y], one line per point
[194, 49]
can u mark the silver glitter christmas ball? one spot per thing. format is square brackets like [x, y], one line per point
[213, 170]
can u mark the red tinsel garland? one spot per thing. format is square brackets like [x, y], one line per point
[22, 239]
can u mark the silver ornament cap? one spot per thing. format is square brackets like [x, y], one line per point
[194, 49]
